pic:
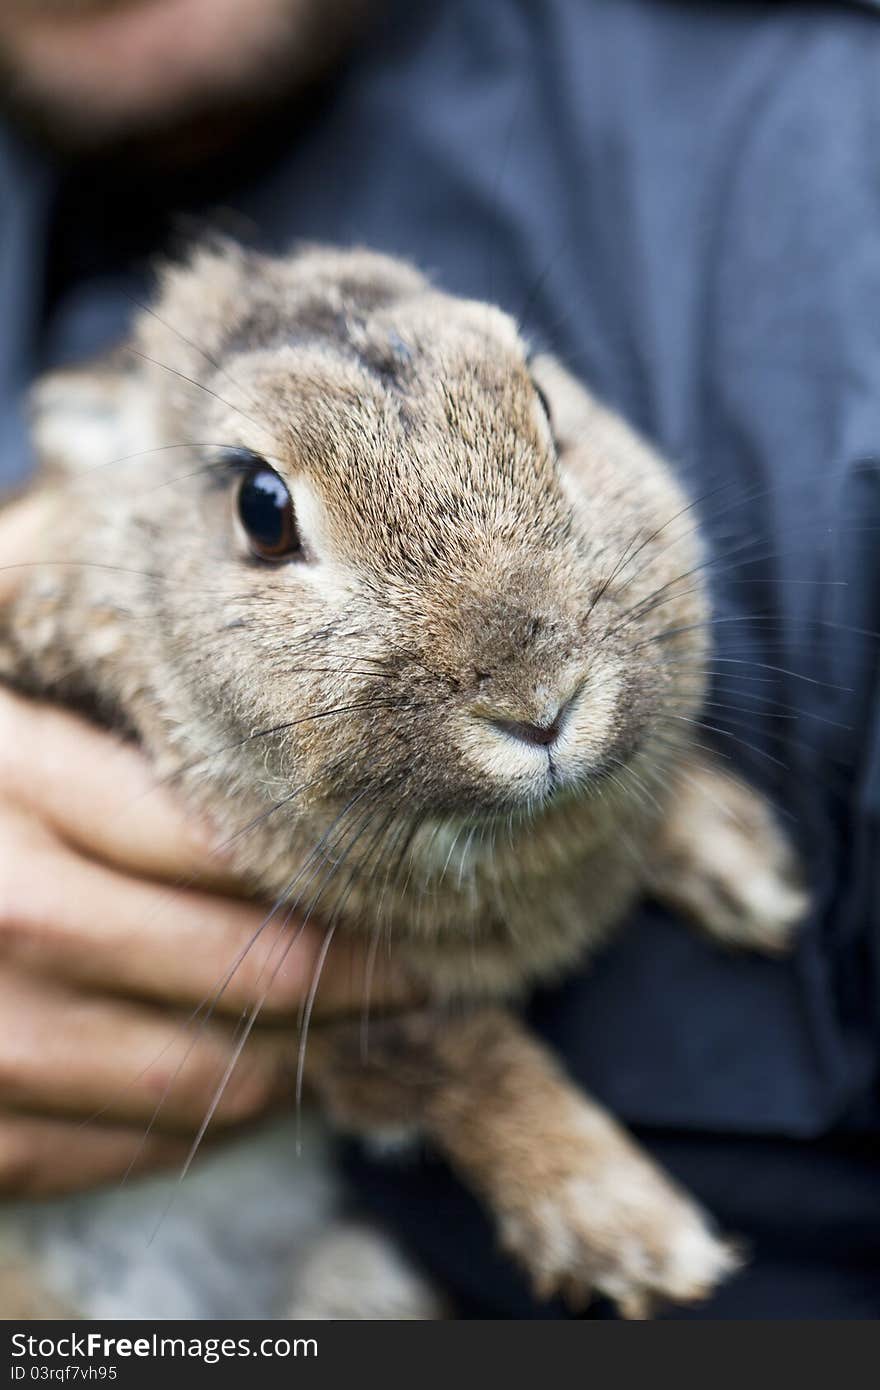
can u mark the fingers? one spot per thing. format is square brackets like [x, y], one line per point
[356, 979]
[92, 1155]
[78, 921]
[100, 795]
[77, 1055]
[68, 1055]
[109, 929]
[24, 525]
[94, 927]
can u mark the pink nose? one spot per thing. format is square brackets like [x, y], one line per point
[539, 735]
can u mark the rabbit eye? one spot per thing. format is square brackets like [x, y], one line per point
[544, 403]
[265, 511]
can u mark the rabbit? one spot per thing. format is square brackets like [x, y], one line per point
[422, 631]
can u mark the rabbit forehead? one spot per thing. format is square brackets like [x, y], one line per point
[460, 453]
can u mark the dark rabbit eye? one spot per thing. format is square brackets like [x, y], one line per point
[265, 510]
[545, 404]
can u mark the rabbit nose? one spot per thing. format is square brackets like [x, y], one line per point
[539, 735]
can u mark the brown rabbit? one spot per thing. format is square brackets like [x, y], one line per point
[421, 627]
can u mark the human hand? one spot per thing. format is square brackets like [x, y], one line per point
[107, 948]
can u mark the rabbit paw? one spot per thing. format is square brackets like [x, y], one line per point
[625, 1232]
[725, 862]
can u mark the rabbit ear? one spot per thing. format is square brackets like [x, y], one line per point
[572, 410]
[86, 417]
[199, 302]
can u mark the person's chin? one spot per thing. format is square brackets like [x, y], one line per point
[144, 71]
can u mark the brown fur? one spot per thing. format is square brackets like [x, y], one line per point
[465, 563]
[575, 1200]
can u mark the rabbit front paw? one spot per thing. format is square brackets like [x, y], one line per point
[625, 1232]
